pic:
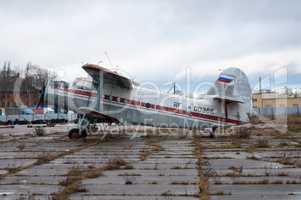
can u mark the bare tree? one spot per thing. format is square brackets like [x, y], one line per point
[33, 80]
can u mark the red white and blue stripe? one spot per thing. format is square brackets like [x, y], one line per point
[225, 79]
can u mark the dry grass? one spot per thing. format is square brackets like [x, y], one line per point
[284, 160]
[204, 189]
[260, 182]
[289, 161]
[252, 158]
[154, 147]
[114, 164]
[128, 166]
[237, 170]
[251, 149]
[203, 183]
[176, 167]
[221, 193]
[13, 170]
[294, 123]
[167, 193]
[242, 132]
[233, 144]
[76, 175]
[94, 173]
[282, 174]
[293, 182]
[46, 158]
[262, 143]
[182, 183]
[283, 144]
[144, 153]
[21, 147]
[129, 174]
[231, 174]
[281, 135]
[71, 184]
[73, 175]
[254, 120]
[43, 159]
[265, 182]
[153, 183]
[39, 131]
[277, 182]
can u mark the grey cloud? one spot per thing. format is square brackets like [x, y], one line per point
[152, 40]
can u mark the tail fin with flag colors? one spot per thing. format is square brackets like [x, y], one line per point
[225, 79]
[232, 93]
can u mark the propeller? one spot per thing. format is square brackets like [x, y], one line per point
[42, 97]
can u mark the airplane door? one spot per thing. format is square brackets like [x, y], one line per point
[226, 109]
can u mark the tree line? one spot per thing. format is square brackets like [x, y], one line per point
[32, 78]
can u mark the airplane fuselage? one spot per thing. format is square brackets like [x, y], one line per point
[116, 98]
[148, 107]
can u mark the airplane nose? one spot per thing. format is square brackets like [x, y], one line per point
[42, 96]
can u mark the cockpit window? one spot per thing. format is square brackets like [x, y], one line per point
[83, 84]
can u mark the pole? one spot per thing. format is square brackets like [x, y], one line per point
[99, 104]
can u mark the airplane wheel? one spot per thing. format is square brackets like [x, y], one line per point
[74, 133]
[93, 128]
[83, 133]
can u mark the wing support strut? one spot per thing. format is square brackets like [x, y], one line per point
[99, 88]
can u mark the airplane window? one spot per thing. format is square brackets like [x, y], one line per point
[107, 97]
[82, 84]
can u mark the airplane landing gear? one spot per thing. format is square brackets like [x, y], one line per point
[82, 130]
[75, 133]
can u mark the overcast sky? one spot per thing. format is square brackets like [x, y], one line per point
[154, 40]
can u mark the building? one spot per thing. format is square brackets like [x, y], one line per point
[275, 100]
[271, 103]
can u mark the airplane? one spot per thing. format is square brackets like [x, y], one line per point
[114, 98]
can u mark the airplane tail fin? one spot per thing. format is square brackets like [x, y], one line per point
[232, 87]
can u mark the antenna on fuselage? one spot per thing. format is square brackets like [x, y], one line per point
[110, 62]
[173, 88]
[107, 56]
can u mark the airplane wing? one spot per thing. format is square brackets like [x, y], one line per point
[94, 114]
[108, 76]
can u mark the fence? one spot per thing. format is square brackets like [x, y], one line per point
[282, 111]
[38, 117]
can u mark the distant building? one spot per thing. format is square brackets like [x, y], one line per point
[270, 99]
[271, 103]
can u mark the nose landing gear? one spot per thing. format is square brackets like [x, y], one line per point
[75, 133]
[82, 130]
